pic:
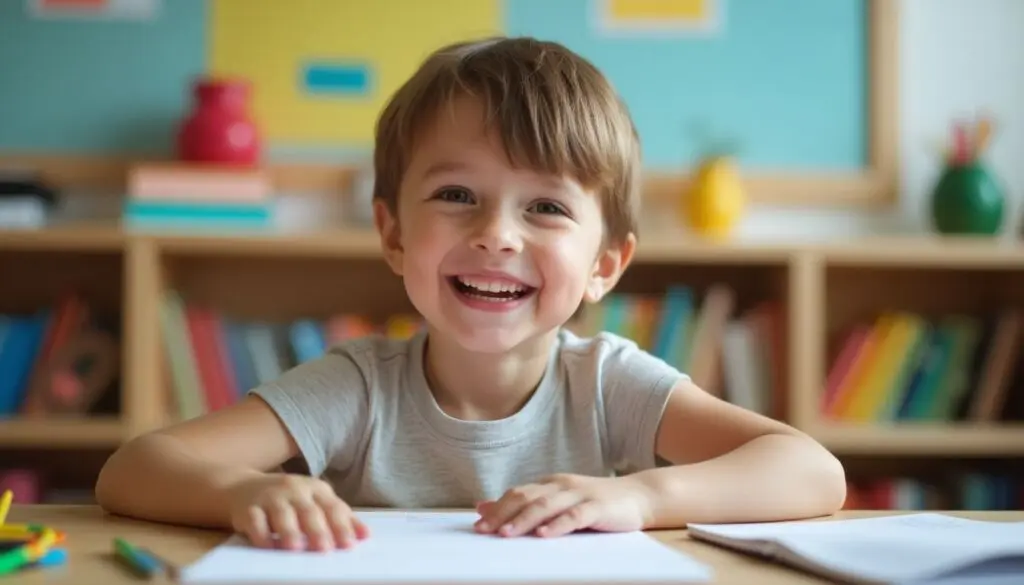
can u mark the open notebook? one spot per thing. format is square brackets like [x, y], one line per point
[441, 547]
[910, 548]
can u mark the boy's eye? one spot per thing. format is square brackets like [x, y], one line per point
[454, 195]
[549, 208]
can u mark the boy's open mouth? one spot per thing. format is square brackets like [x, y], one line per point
[490, 290]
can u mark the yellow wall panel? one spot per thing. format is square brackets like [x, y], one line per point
[270, 42]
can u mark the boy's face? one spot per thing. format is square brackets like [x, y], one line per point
[493, 256]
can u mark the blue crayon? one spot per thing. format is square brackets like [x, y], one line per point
[55, 557]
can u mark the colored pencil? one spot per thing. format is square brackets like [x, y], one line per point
[982, 134]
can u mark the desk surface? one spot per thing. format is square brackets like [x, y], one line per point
[90, 533]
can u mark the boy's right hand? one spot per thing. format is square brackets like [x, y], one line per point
[303, 512]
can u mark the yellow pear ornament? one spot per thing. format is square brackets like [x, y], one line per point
[716, 198]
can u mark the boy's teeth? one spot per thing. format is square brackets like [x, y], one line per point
[490, 285]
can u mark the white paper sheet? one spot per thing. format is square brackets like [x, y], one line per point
[442, 547]
[919, 547]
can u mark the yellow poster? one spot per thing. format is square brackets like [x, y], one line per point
[663, 15]
[677, 10]
[321, 69]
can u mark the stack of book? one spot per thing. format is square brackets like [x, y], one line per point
[186, 196]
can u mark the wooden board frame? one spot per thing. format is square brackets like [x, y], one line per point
[876, 186]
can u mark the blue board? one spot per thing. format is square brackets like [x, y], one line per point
[787, 79]
[97, 86]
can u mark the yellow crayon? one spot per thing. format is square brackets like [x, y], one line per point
[5, 505]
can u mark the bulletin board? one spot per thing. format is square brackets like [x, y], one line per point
[803, 89]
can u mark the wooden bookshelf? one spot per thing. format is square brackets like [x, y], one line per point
[824, 287]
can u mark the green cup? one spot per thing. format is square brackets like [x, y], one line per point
[968, 200]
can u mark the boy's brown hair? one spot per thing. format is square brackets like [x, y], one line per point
[554, 111]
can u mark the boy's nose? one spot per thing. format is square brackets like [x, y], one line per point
[496, 234]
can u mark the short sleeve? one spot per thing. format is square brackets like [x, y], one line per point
[324, 405]
[635, 387]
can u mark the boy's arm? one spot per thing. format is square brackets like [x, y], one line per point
[734, 465]
[182, 474]
[318, 409]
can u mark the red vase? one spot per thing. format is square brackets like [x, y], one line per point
[219, 129]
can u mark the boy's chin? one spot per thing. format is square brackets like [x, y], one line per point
[494, 340]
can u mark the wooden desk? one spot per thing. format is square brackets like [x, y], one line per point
[90, 532]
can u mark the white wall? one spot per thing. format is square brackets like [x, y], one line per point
[957, 57]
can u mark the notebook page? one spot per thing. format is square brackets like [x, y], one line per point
[441, 547]
[896, 548]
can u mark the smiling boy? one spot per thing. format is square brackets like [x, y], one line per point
[506, 195]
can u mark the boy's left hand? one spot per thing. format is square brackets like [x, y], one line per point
[565, 503]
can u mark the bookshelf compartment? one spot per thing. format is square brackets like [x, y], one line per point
[938, 482]
[36, 279]
[231, 322]
[53, 474]
[923, 359]
[287, 288]
[750, 283]
[722, 324]
[63, 309]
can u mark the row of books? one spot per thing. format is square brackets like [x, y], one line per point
[738, 355]
[967, 491]
[214, 359]
[907, 367]
[60, 359]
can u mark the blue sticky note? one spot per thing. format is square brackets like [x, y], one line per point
[347, 79]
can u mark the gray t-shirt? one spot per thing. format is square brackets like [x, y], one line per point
[365, 420]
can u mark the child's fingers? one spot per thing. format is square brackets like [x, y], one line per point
[540, 511]
[511, 504]
[255, 527]
[314, 525]
[362, 530]
[285, 523]
[578, 517]
[339, 520]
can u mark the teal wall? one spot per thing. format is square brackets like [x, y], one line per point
[97, 86]
[784, 77]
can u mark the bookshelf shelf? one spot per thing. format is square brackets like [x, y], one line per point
[79, 237]
[936, 439]
[821, 289]
[356, 244]
[99, 432]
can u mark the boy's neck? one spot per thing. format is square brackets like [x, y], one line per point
[484, 386]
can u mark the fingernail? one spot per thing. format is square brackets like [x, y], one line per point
[506, 529]
[483, 526]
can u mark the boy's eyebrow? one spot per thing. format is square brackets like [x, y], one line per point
[450, 166]
[440, 167]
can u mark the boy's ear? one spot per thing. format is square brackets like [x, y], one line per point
[390, 235]
[611, 262]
